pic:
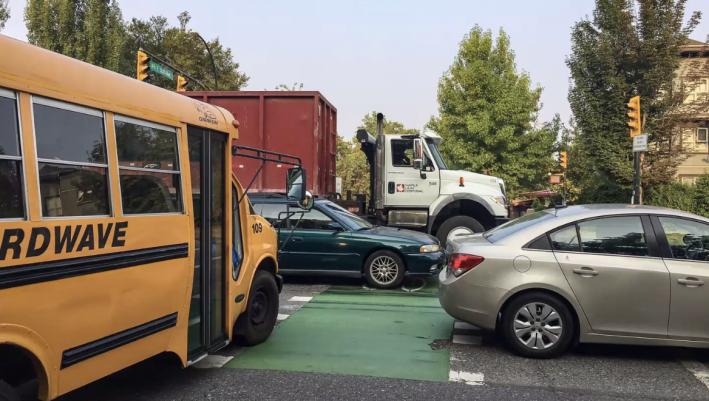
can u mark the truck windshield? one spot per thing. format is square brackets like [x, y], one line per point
[436, 154]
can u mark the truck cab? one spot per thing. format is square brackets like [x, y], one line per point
[413, 187]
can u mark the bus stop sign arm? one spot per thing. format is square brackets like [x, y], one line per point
[264, 156]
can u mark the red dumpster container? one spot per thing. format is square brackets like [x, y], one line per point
[302, 124]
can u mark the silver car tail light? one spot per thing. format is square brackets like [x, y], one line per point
[460, 263]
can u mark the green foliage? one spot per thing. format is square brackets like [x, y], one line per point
[537, 205]
[184, 50]
[352, 167]
[94, 31]
[675, 195]
[488, 113]
[283, 87]
[4, 13]
[616, 56]
[369, 122]
[88, 30]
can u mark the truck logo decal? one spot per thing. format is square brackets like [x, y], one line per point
[408, 188]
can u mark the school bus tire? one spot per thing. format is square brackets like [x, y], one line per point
[7, 393]
[256, 323]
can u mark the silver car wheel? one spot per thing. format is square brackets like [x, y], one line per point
[384, 270]
[538, 326]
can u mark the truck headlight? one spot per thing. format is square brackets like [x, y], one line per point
[500, 200]
[430, 248]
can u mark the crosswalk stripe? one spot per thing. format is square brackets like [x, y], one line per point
[300, 299]
[471, 379]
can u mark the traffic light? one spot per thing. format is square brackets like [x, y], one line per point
[143, 66]
[181, 83]
[634, 116]
[563, 159]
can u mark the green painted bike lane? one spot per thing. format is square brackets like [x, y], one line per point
[352, 331]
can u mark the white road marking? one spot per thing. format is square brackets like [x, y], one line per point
[467, 340]
[465, 326]
[282, 316]
[698, 370]
[471, 379]
[212, 361]
[300, 299]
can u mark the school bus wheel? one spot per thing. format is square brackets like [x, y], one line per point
[7, 393]
[255, 325]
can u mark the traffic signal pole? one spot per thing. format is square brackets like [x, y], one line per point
[634, 125]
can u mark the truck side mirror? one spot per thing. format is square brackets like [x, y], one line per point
[418, 154]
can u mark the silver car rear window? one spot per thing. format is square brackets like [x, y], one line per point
[516, 225]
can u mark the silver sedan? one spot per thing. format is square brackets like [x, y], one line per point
[618, 274]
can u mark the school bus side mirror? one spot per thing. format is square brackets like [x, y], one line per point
[296, 184]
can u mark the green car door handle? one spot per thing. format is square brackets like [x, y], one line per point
[297, 239]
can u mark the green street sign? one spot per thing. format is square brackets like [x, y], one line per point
[159, 69]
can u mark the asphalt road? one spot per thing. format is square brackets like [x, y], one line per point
[480, 369]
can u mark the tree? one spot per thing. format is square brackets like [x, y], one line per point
[88, 30]
[296, 87]
[4, 13]
[617, 55]
[369, 122]
[352, 164]
[487, 115]
[184, 50]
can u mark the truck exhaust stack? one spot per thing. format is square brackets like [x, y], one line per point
[379, 171]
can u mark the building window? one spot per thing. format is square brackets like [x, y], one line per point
[149, 167]
[702, 135]
[12, 202]
[703, 85]
[688, 179]
[72, 160]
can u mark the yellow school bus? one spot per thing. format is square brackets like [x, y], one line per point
[123, 232]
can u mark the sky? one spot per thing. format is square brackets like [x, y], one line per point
[385, 56]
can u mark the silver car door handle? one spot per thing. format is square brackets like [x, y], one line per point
[690, 282]
[586, 272]
[297, 239]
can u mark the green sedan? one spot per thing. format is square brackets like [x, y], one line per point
[331, 241]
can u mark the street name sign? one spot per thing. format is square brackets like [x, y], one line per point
[159, 69]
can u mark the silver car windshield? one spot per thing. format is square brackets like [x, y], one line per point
[516, 225]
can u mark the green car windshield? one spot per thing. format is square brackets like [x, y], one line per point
[352, 220]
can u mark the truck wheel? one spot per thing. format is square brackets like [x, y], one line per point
[256, 323]
[384, 269]
[7, 393]
[458, 225]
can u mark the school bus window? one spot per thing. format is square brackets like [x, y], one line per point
[71, 156]
[149, 167]
[11, 185]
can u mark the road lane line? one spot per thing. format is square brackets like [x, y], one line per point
[300, 299]
[467, 340]
[212, 361]
[282, 316]
[471, 379]
[698, 370]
